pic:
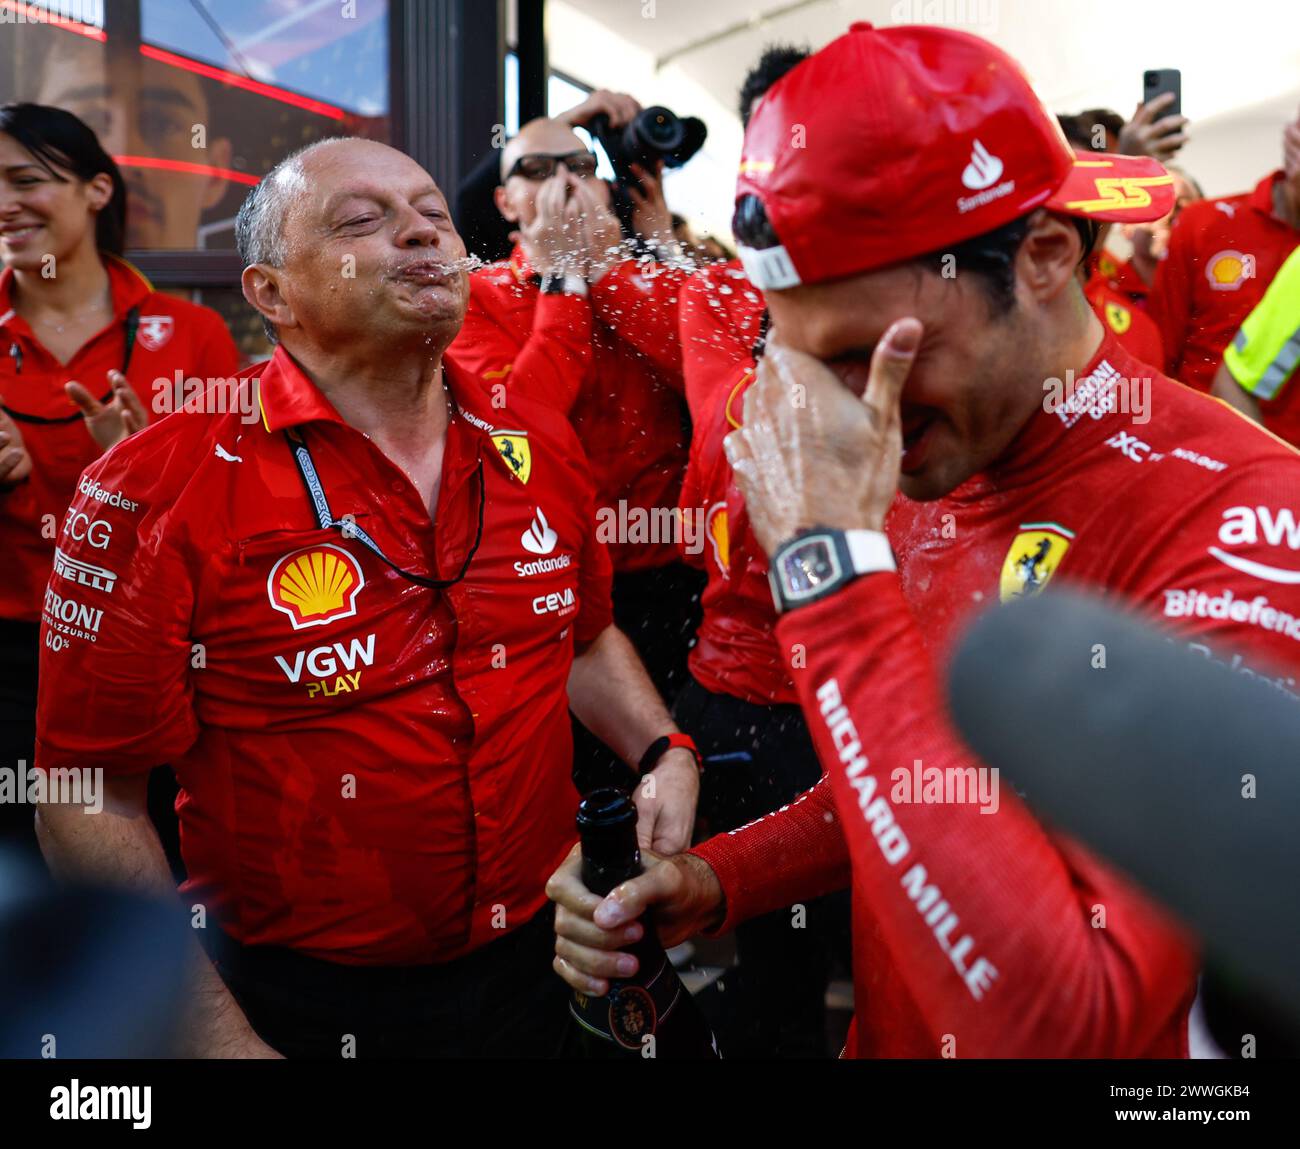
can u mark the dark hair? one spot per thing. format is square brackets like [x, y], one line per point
[1080, 129]
[60, 141]
[990, 256]
[775, 62]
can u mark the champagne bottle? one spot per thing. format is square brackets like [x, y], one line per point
[650, 1014]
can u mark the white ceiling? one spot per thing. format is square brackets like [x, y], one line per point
[1240, 62]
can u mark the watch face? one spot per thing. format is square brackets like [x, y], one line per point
[808, 567]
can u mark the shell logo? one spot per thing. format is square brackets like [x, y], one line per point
[1226, 270]
[719, 536]
[315, 585]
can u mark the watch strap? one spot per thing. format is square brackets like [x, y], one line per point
[562, 283]
[660, 746]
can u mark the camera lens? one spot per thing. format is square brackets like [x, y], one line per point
[660, 129]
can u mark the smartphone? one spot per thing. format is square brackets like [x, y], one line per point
[1157, 81]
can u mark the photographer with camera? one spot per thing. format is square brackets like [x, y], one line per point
[572, 319]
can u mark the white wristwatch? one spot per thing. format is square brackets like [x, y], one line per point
[818, 562]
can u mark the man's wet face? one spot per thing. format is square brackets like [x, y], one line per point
[964, 399]
[371, 251]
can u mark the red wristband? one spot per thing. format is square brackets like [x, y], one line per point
[660, 746]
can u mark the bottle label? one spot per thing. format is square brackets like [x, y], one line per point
[631, 1011]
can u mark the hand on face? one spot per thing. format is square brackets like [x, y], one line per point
[651, 219]
[811, 453]
[554, 242]
[601, 232]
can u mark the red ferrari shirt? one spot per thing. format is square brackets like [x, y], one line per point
[1133, 327]
[978, 926]
[171, 336]
[1223, 253]
[614, 365]
[1119, 275]
[735, 651]
[372, 771]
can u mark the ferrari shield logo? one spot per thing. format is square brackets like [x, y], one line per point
[1119, 318]
[513, 446]
[1033, 558]
[156, 331]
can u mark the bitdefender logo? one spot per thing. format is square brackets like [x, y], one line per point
[539, 539]
[984, 169]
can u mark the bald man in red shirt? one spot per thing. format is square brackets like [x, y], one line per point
[355, 628]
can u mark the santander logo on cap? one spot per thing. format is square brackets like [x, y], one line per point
[984, 169]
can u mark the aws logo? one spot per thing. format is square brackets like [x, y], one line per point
[315, 585]
[1227, 270]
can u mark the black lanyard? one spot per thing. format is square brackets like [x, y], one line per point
[131, 325]
[350, 529]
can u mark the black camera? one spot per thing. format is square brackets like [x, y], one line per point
[655, 135]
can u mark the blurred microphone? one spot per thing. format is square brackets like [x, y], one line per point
[1182, 771]
[87, 972]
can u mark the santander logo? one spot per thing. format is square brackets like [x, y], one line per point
[539, 539]
[984, 169]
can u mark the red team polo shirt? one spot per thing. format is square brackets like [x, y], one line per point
[1133, 327]
[172, 335]
[614, 365]
[735, 651]
[372, 771]
[980, 925]
[1223, 254]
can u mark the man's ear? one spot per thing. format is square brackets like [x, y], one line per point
[261, 286]
[502, 200]
[1049, 256]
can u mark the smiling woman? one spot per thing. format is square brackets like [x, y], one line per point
[85, 335]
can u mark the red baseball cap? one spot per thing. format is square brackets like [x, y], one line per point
[893, 142]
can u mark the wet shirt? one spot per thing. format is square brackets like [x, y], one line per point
[1223, 253]
[614, 364]
[980, 924]
[172, 339]
[373, 771]
[735, 651]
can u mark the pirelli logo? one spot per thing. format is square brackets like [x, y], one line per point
[84, 574]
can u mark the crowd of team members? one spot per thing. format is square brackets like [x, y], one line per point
[647, 352]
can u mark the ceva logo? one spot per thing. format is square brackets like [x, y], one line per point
[984, 169]
[539, 539]
[1245, 526]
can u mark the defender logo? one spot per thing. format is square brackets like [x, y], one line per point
[315, 585]
[539, 539]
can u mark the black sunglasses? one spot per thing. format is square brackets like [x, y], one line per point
[541, 166]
